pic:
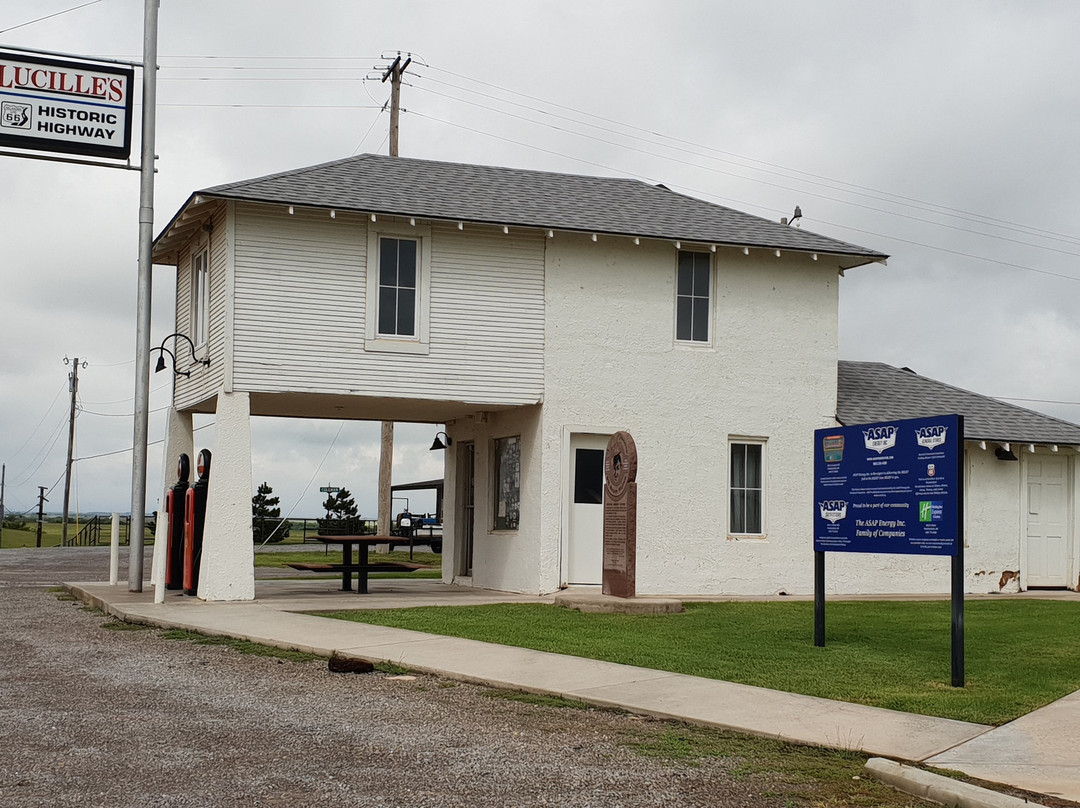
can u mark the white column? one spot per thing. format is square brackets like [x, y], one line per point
[179, 439]
[114, 551]
[228, 558]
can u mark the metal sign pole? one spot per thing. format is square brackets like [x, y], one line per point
[958, 678]
[142, 332]
[819, 598]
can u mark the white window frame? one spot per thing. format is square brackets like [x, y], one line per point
[711, 314]
[200, 296]
[419, 342]
[734, 444]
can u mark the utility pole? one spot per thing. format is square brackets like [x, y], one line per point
[386, 450]
[73, 387]
[40, 512]
[394, 73]
[144, 298]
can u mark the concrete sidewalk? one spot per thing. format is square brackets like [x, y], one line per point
[1040, 752]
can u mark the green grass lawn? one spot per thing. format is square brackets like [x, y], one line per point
[1020, 655]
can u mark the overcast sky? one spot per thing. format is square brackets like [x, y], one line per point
[942, 133]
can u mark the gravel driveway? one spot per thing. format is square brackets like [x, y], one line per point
[98, 717]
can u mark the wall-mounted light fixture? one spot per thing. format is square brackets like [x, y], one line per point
[161, 359]
[1004, 453]
[438, 444]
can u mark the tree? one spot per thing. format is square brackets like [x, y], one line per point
[340, 505]
[341, 514]
[266, 524]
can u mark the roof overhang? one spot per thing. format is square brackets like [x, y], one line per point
[195, 215]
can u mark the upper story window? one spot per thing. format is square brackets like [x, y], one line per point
[398, 277]
[693, 298]
[397, 287]
[200, 297]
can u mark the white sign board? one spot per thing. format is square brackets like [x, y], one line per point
[61, 105]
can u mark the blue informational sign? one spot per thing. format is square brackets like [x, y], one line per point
[890, 487]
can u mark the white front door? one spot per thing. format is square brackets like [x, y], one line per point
[585, 556]
[1047, 520]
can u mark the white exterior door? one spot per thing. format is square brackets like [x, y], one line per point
[585, 544]
[1047, 520]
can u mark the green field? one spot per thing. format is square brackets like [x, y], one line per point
[1020, 655]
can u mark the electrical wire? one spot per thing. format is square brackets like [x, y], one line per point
[48, 16]
[999, 262]
[44, 452]
[120, 414]
[333, 442]
[802, 191]
[39, 423]
[856, 188]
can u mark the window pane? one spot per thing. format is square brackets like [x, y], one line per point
[753, 465]
[589, 476]
[387, 310]
[738, 465]
[738, 511]
[406, 262]
[684, 318]
[406, 308]
[701, 277]
[388, 261]
[753, 512]
[701, 319]
[686, 274]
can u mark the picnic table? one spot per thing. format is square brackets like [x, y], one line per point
[362, 566]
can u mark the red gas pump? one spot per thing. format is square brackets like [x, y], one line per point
[194, 522]
[174, 507]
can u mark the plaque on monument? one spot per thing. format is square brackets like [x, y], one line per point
[620, 516]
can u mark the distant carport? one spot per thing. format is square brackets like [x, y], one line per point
[425, 485]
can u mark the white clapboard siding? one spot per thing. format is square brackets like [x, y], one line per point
[300, 309]
[204, 382]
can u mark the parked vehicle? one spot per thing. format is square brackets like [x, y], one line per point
[417, 528]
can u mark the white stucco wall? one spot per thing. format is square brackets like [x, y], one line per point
[993, 526]
[612, 363]
[502, 559]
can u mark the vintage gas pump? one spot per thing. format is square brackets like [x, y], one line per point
[174, 507]
[194, 522]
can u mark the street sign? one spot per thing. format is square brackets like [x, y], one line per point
[64, 105]
[330, 489]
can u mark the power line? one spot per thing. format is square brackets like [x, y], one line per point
[802, 191]
[48, 16]
[999, 262]
[39, 423]
[914, 202]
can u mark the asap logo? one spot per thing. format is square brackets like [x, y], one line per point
[880, 438]
[833, 510]
[930, 436]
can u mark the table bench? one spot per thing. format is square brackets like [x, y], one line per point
[362, 567]
[380, 566]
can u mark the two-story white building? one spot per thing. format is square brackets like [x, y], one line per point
[534, 314]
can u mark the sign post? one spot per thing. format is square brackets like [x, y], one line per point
[892, 487]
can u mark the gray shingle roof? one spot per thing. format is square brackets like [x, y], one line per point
[507, 196]
[873, 391]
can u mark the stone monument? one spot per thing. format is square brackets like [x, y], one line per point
[620, 516]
